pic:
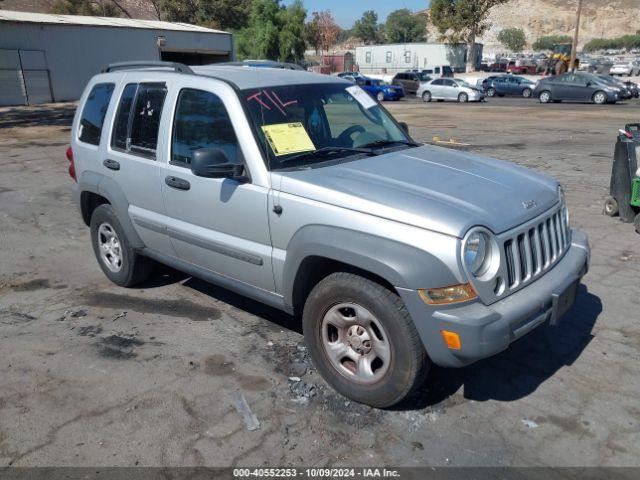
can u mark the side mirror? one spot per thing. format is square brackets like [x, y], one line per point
[214, 163]
[404, 126]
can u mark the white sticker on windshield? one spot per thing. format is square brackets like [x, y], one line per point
[361, 96]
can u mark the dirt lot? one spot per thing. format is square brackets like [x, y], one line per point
[92, 374]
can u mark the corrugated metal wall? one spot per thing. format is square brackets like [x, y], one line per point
[74, 53]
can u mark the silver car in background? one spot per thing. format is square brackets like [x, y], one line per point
[450, 89]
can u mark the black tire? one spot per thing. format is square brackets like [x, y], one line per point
[545, 96]
[463, 98]
[611, 208]
[409, 363]
[426, 97]
[134, 268]
[527, 92]
[491, 92]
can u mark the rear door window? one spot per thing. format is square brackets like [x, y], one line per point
[121, 124]
[93, 113]
[145, 120]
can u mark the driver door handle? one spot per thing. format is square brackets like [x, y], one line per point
[178, 183]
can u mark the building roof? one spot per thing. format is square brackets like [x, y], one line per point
[259, 77]
[51, 19]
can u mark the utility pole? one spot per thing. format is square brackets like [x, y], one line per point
[574, 46]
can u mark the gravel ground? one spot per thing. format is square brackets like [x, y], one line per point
[179, 372]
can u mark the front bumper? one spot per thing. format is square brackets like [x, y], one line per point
[487, 330]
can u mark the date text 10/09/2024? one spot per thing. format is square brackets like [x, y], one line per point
[315, 473]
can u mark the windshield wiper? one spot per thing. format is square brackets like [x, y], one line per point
[326, 151]
[385, 143]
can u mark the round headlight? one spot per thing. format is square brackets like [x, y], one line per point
[477, 253]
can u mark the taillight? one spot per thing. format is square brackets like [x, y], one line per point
[72, 167]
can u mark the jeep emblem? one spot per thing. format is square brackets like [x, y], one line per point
[529, 204]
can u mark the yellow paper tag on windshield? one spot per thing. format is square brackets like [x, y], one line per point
[286, 138]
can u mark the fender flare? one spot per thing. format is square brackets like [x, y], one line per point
[106, 187]
[401, 265]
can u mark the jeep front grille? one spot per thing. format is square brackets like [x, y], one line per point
[530, 252]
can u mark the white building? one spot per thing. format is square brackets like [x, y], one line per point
[46, 58]
[399, 57]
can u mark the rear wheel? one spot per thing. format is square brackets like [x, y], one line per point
[611, 207]
[491, 92]
[599, 97]
[545, 96]
[526, 93]
[363, 341]
[463, 98]
[119, 262]
[426, 97]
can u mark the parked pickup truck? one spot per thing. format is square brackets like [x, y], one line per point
[301, 191]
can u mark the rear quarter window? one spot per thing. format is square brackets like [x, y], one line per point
[93, 113]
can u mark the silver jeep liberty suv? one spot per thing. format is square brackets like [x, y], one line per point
[301, 191]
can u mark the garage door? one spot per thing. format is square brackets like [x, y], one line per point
[36, 76]
[12, 89]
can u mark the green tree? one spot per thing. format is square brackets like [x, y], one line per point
[223, 14]
[291, 38]
[183, 11]
[462, 21]
[273, 32]
[403, 26]
[312, 32]
[547, 42]
[513, 38]
[367, 29]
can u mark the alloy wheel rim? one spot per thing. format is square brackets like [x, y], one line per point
[109, 247]
[355, 343]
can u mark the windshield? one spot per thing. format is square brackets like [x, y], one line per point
[302, 125]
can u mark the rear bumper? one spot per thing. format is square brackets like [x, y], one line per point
[487, 330]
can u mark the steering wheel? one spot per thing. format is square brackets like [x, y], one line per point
[346, 135]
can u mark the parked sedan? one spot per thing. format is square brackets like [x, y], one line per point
[625, 68]
[575, 87]
[509, 85]
[379, 90]
[449, 89]
[627, 89]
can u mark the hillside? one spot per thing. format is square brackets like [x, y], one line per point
[546, 17]
[600, 18]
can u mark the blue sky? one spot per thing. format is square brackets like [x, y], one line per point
[346, 12]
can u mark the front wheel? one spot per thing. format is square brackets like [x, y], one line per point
[380, 96]
[363, 341]
[599, 98]
[545, 97]
[426, 97]
[491, 92]
[526, 93]
[463, 98]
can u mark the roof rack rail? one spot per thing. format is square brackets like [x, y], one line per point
[178, 67]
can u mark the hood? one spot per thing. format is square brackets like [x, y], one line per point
[435, 188]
